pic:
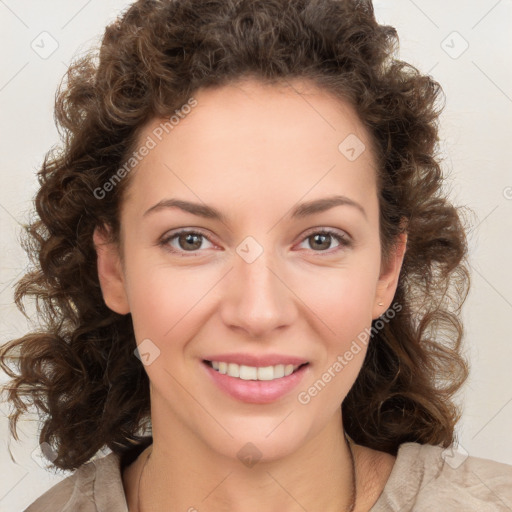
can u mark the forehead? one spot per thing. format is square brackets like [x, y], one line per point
[257, 140]
[252, 108]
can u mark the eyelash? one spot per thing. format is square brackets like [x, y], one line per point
[343, 240]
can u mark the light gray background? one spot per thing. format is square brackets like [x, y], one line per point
[476, 140]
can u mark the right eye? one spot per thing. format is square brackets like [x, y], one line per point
[183, 241]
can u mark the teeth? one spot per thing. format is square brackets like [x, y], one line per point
[246, 372]
[233, 370]
[252, 372]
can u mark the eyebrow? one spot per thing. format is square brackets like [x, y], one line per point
[300, 211]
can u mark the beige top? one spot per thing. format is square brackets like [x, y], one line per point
[423, 479]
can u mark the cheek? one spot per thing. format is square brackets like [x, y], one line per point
[342, 298]
[164, 300]
[344, 308]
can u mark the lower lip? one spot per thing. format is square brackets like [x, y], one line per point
[256, 391]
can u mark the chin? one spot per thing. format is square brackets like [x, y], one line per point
[267, 440]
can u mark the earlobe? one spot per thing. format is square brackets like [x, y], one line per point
[388, 280]
[110, 272]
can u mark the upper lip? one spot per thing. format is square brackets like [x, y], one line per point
[254, 360]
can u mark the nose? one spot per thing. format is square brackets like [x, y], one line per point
[258, 300]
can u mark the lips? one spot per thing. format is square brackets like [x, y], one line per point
[257, 391]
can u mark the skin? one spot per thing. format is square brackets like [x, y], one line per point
[254, 152]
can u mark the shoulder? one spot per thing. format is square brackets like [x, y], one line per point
[96, 485]
[427, 477]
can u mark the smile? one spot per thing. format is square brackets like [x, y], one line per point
[255, 384]
[244, 372]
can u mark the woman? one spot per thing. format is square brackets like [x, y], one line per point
[245, 250]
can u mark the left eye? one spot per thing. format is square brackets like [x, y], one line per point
[322, 240]
[191, 241]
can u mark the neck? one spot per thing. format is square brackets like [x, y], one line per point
[184, 474]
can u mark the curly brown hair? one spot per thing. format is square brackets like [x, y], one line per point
[79, 368]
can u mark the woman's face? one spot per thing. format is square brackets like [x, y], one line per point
[260, 172]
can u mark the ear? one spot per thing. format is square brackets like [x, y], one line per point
[110, 272]
[388, 279]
